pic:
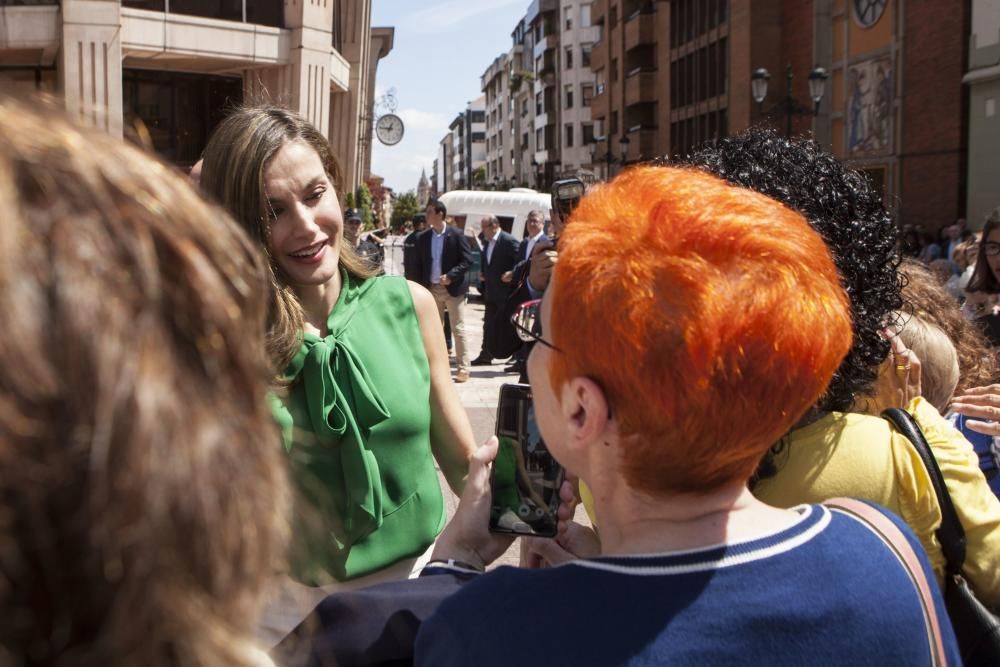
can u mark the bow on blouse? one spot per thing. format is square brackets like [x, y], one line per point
[343, 406]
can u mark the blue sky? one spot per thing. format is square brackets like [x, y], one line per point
[441, 49]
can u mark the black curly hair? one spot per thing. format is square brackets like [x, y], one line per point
[848, 213]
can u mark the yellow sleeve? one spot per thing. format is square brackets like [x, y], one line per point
[977, 508]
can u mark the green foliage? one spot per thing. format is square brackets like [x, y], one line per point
[479, 177]
[404, 208]
[349, 200]
[363, 201]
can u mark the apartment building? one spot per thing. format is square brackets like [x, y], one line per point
[468, 149]
[577, 35]
[162, 72]
[522, 76]
[501, 121]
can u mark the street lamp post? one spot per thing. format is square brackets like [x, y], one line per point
[623, 143]
[817, 87]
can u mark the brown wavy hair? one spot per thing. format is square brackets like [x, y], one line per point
[233, 172]
[142, 494]
[925, 297]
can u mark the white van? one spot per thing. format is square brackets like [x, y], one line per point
[469, 207]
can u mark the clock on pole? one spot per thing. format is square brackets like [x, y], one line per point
[389, 129]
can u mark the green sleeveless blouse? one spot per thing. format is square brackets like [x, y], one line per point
[356, 426]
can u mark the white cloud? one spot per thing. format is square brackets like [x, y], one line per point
[448, 15]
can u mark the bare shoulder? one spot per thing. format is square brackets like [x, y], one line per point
[422, 299]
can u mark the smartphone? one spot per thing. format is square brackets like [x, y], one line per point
[525, 479]
[566, 194]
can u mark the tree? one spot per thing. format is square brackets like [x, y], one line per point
[349, 200]
[479, 178]
[363, 201]
[404, 208]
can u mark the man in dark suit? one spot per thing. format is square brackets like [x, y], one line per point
[445, 257]
[534, 234]
[411, 255]
[499, 254]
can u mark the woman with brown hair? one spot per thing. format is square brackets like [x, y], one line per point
[368, 402]
[135, 438]
[984, 286]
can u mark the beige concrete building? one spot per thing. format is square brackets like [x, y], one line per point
[164, 71]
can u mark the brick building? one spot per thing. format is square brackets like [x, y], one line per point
[674, 74]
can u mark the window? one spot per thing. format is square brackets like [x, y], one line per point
[588, 133]
[614, 122]
[569, 136]
[538, 104]
[568, 14]
[614, 70]
[613, 17]
[539, 28]
[499, 143]
[539, 139]
[569, 96]
[524, 107]
[585, 50]
[585, 16]
[538, 65]
[569, 57]
[524, 141]
[586, 93]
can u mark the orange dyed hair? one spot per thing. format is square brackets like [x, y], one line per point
[712, 316]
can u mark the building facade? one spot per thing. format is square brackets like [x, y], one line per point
[501, 125]
[983, 82]
[468, 147]
[673, 75]
[164, 73]
[577, 35]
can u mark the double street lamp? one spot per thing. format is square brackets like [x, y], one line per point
[817, 88]
[608, 158]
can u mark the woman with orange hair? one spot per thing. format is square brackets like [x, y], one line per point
[671, 358]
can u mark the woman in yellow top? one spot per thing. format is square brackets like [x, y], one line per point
[834, 451]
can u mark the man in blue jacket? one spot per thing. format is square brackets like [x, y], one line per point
[445, 257]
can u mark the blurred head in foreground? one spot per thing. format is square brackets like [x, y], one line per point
[142, 494]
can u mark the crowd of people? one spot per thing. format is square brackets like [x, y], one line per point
[221, 424]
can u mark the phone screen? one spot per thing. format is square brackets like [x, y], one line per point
[525, 478]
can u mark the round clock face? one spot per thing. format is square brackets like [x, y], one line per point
[389, 129]
[868, 12]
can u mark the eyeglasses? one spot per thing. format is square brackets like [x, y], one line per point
[527, 322]
[992, 249]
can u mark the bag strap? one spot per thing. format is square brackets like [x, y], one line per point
[950, 534]
[893, 537]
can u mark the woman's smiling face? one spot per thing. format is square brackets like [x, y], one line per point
[306, 223]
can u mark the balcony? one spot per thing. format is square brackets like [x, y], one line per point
[642, 144]
[640, 87]
[597, 11]
[640, 30]
[599, 55]
[270, 13]
[599, 104]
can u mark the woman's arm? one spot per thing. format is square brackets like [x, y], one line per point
[452, 440]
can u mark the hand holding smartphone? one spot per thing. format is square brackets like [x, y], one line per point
[525, 479]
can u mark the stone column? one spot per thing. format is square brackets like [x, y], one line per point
[310, 23]
[90, 63]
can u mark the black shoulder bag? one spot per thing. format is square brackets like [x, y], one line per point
[976, 627]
